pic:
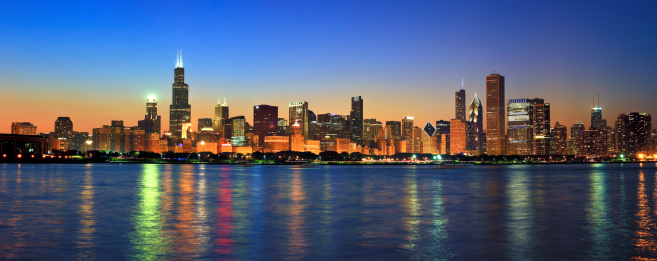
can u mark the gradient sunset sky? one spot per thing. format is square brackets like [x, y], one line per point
[96, 62]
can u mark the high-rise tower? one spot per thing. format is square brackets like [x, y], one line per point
[299, 115]
[476, 120]
[495, 112]
[151, 122]
[356, 119]
[459, 105]
[180, 110]
[221, 117]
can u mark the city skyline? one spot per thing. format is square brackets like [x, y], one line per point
[98, 78]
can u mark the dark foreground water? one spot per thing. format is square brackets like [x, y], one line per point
[522, 212]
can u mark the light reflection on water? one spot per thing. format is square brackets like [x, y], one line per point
[145, 212]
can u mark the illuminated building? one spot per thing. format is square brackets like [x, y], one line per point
[495, 112]
[153, 143]
[597, 122]
[560, 139]
[101, 138]
[63, 128]
[118, 136]
[78, 141]
[137, 140]
[312, 125]
[242, 150]
[458, 131]
[393, 130]
[639, 133]
[207, 147]
[207, 135]
[312, 146]
[221, 115]
[611, 140]
[186, 130]
[152, 121]
[542, 138]
[296, 139]
[338, 145]
[180, 110]
[476, 119]
[299, 113]
[265, 122]
[429, 144]
[574, 137]
[520, 130]
[623, 133]
[372, 132]
[400, 146]
[331, 125]
[23, 128]
[204, 123]
[591, 143]
[283, 128]
[275, 144]
[13, 145]
[442, 136]
[238, 133]
[417, 140]
[459, 105]
[356, 120]
[407, 129]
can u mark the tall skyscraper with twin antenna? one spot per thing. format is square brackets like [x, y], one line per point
[180, 109]
[221, 117]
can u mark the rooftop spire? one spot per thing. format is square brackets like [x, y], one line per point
[181, 61]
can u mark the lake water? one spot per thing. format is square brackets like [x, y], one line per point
[515, 212]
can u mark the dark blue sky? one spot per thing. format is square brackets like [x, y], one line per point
[97, 61]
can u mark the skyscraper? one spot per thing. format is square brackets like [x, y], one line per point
[299, 114]
[180, 110]
[393, 130]
[520, 130]
[63, 128]
[541, 119]
[597, 122]
[574, 137]
[23, 128]
[407, 132]
[640, 125]
[265, 122]
[458, 136]
[356, 120]
[623, 133]
[459, 105]
[560, 138]
[151, 122]
[296, 138]
[204, 123]
[495, 112]
[442, 136]
[238, 133]
[476, 120]
[221, 117]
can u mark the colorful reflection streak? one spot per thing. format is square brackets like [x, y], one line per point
[224, 241]
[437, 248]
[202, 228]
[413, 209]
[644, 241]
[85, 240]
[148, 241]
[297, 242]
[186, 238]
[598, 216]
[520, 216]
